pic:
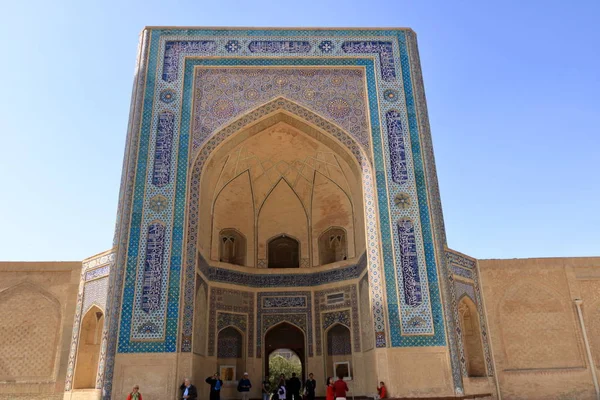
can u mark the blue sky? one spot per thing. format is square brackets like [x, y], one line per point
[512, 87]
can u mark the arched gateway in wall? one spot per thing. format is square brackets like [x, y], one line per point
[279, 178]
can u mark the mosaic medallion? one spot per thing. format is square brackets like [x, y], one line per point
[326, 46]
[167, 96]
[402, 200]
[158, 203]
[338, 108]
[222, 108]
[391, 95]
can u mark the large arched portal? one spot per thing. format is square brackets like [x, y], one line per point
[290, 192]
[285, 336]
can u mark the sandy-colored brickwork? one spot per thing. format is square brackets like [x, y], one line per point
[536, 335]
[37, 306]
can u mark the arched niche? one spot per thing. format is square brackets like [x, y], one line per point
[232, 247]
[471, 337]
[331, 208]
[88, 349]
[233, 222]
[30, 321]
[200, 317]
[230, 353]
[282, 223]
[278, 156]
[338, 356]
[333, 246]
[283, 252]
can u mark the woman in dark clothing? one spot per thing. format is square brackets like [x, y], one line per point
[216, 384]
[188, 391]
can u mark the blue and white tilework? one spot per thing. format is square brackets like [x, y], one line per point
[349, 305]
[93, 290]
[466, 283]
[169, 57]
[276, 307]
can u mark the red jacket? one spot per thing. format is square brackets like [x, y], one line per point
[340, 388]
[130, 398]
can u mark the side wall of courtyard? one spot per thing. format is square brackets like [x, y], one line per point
[536, 333]
[37, 307]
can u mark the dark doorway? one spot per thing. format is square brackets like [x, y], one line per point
[285, 336]
[284, 252]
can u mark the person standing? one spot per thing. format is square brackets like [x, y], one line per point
[330, 393]
[135, 394]
[188, 391]
[382, 390]
[294, 387]
[310, 386]
[340, 388]
[282, 382]
[281, 392]
[216, 384]
[244, 386]
[266, 389]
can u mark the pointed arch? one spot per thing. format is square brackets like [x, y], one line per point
[281, 221]
[88, 349]
[34, 345]
[281, 109]
[471, 337]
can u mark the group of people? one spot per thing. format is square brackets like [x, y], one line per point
[284, 390]
[289, 389]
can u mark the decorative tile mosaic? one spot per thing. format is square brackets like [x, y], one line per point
[284, 302]
[267, 317]
[462, 272]
[222, 94]
[93, 290]
[338, 342]
[396, 143]
[193, 209]
[216, 274]
[162, 149]
[322, 307]
[459, 262]
[385, 51]
[397, 69]
[230, 344]
[95, 293]
[409, 267]
[228, 319]
[225, 304]
[335, 317]
[97, 273]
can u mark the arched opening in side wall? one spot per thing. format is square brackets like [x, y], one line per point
[88, 353]
[471, 337]
[338, 357]
[230, 354]
[289, 337]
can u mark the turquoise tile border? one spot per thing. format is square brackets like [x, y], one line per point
[174, 284]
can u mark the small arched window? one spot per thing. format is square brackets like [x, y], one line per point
[284, 252]
[232, 247]
[332, 246]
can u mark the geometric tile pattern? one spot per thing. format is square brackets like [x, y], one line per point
[193, 209]
[93, 289]
[231, 308]
[276, 307]
[324, 314]
[216, 274]
[468, 284]
[95, 294]
[390, 61]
